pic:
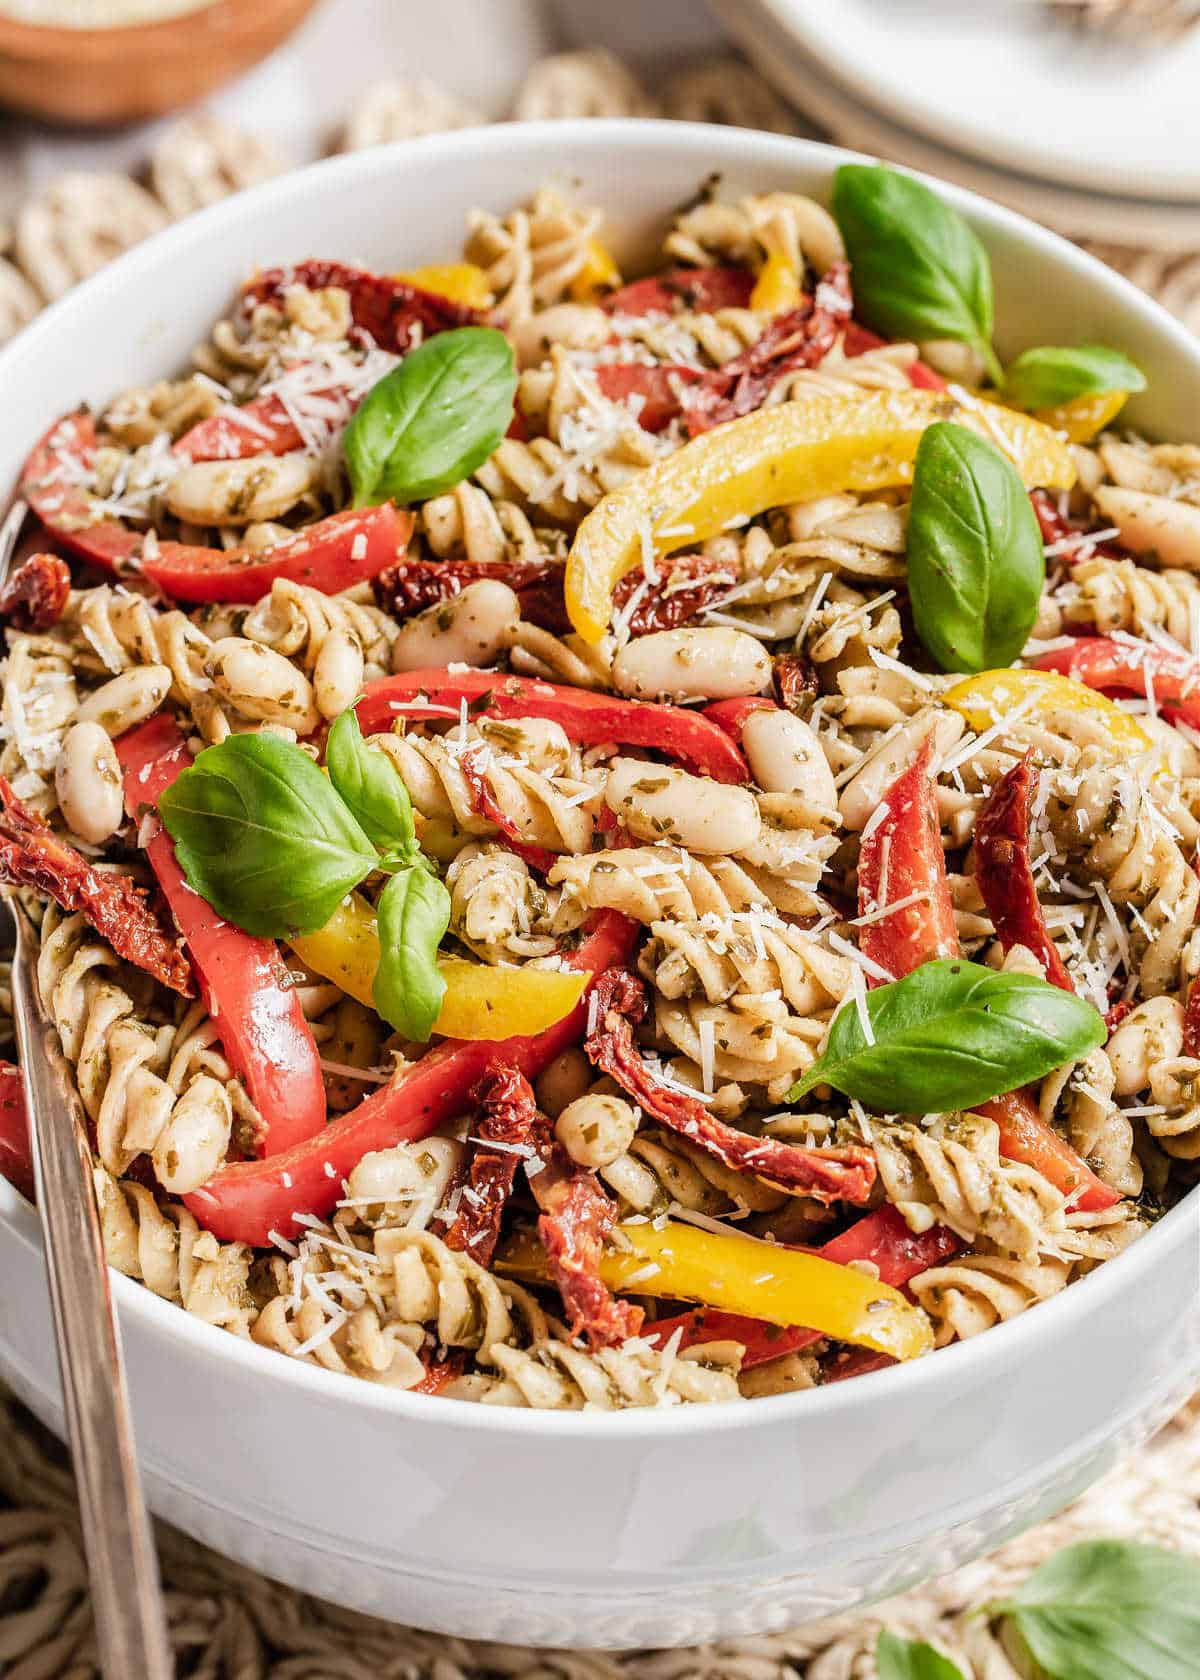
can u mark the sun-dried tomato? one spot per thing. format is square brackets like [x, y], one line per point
[36, 593]
[795, 680]
[386, 309]
[1005, 875]
[507, 1116]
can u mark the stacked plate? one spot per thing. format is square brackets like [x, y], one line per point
[1095, 133]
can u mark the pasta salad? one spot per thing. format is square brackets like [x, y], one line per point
[610, 842]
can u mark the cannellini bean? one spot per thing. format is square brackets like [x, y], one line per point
[263, 535]
[594, 1129]
[1151, 1033]
[1154, 525]
[543, 744]
[785, 756]
[568, 1076]
[193, 1143]
[692, 664]
[87, 780]
[240, 492]
[128, 699]
[261, 684]
[338, 672]
[472, 628]
[659, 802]
[860, 796]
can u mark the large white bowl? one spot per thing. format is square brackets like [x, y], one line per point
[639, 1528]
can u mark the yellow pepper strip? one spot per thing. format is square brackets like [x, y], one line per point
[1083, 418]
[598, 274]
[813, 446]
[777, 288]
[480, 1002]
[739, 1274]
[985, 699]
[460, 282]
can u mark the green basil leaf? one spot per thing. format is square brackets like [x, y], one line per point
[911, 1659]
[371, 786]
[260, 833]
[438, 415]
[1111, 1610]
[413, 913]
[1045, 377]
[949, 1035]
[976, 564]
[918, 269]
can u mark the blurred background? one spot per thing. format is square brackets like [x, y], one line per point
[122, 114]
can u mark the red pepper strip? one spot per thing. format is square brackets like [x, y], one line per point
[1117, 1014]
[801, 338]
[590, 719]
[508, 1116]
[489, 807]
[795, 680]
[36, 593]
[881, 1237]
[1132, 668]
[16, 1153]
[1070, 544]
[856, 1362]
[1004, 875]
[576, 1217]
[248, 1200]
[857, 341]
[658, 388]
[828, 1175]
[31, 855]
[439, 1374]
[384, 308]
[260, 427]
[731, 715]
[243, 980]
[902, 855]
[332, 555]
[1025, 1137]
[702, 290]
[1191, 1022]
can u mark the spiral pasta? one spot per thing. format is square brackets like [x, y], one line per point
[531, 256]
[40, 699]
[659, 1172]
[554, 1375]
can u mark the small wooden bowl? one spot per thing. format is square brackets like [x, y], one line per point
[109, 76]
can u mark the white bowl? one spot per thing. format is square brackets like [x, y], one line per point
[641, 1528]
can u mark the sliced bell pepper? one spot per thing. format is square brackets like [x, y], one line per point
[1025, 1137]
[249, 1200]
[658, 387]
[809, 447]
[262, 426]
[589, 718]
[244, 981]
[777, 287]
[1084, 418]
[881, 1238]
[461, 282]
[1005, 875]
[701, 289]
[900, 858]
[599, 274]
[1039, 691]
[1100, 662]
[480, 1002]
[16, 1149]
[731, 715]
[783, 1286]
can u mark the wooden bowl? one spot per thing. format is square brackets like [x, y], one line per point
[111, 76]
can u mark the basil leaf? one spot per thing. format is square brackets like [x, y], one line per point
[911, 1659]
[949, 1035]
[260, 833]
[371, 786]
[1045, 377]
[427, 424]
[1111, 1610]
[976, 565]
[917, 268]
[412, 915]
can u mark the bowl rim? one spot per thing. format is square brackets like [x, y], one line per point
[183, 31]
[563, 141]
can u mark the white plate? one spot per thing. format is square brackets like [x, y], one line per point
[808, 84]
[999, 80]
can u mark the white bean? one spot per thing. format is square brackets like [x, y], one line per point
[127, 699]
[786, 757]
[240, 492]
[659, 802]
[1154, 525]
[1149, 1034]
[193, 1143]
[261, 684]
[472, 628]
[692, 664]
[88, 783]
[337, 672]
[594, 1129]
[860, 796]
[567, 1077]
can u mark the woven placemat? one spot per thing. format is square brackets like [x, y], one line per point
[230, 1624]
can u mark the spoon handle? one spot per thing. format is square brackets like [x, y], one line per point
[131, 1631]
